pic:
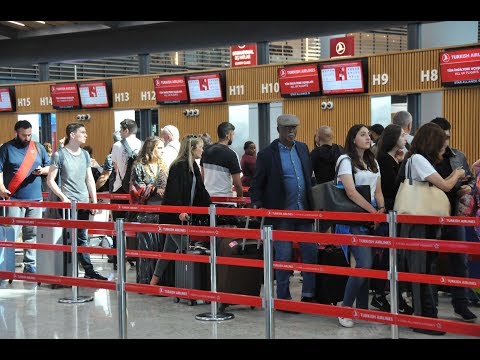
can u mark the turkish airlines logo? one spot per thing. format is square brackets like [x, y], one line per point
[340, 48]
[445, 58]
[283, 72]
[441, 220]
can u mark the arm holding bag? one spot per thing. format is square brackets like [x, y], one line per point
[420, 197]
[329, 197]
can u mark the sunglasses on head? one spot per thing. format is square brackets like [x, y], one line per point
[193, 136]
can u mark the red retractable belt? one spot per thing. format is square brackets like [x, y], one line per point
[24, 169]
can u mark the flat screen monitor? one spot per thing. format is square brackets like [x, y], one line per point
[7, 99]
[343, 77]
[95, 94]
[299, 80]
[205, 88]
[460, 67]
[65, 96]
[170, 90]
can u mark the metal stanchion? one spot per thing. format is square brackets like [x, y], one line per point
[316, 225]
[75, 298]
[121, 277]
[392, 273]
[268, 281]
[214, 315]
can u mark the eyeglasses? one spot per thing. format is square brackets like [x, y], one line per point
[193, 136]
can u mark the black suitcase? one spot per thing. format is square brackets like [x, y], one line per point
[191, 275]
[329, 289]
[146, 266]
[244, 280]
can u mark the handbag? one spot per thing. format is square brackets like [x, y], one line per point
[420, 197]
[329, 196]
[466, 204]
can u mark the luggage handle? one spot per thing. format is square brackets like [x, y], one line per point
[244, 240]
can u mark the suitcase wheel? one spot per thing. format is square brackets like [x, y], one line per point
[176, 300]
[10, 281]
[252, 307]
[192, 302]
[222, 307]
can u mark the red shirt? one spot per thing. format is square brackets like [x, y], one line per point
[248, 168]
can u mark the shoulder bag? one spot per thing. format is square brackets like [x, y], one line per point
[420, 197]
[329, 196]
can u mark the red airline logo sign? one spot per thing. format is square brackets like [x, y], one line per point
[343, 46]
[244, 55]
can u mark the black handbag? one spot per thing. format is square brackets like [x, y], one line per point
[329, 197]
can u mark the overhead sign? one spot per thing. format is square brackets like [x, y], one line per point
[342, 46]
[244, 55]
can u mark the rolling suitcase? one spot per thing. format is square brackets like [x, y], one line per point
[191, 275]
[54, 262]
[146, 266]
[329, 289]
[7, 255]
[242, 280]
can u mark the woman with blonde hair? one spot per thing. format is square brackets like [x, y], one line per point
[149, 173]
[184, 188]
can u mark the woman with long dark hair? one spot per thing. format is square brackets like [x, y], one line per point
[361, 164]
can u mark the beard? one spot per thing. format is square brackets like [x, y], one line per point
[18, 141]
[229, 142]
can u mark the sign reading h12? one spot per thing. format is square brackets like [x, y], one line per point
[342, 46]
[244, 55]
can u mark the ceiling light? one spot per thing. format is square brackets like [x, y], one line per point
[17, 23]
[41, 22]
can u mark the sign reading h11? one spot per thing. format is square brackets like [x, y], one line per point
[342, 46]
[244, 55]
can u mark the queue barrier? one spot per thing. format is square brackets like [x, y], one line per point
[371, 315]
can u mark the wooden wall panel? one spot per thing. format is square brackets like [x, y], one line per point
[404, 72]
[253, 84]
[99, 130]
[134, 92]
[461, 107]
[347, 111]
[210, 116]
[33, 98]
[7, 124]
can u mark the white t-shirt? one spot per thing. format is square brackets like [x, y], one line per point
[362, 177]
[120, 157]
[170, 153]
[421, 167]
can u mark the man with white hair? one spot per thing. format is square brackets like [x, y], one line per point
[404, 120]
[171, 137]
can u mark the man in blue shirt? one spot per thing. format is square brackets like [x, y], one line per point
[282, 181]
[23, 182]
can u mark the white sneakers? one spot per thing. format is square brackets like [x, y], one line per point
[345, 322]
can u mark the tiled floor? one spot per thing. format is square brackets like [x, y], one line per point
[28, 311]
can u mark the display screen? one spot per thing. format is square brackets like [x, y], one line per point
[170, 90]
[300, 80]
[460, 67]
[64, 96]
[95, 94]
[344, 77]
[7, 100]
[206, 87]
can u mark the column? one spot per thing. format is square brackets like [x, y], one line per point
[263, 57]
[145, 115]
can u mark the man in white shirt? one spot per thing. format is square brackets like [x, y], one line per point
[128, 132]
[170, 136]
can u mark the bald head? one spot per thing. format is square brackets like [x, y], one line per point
[324, 135]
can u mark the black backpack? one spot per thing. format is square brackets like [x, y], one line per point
[132, 155]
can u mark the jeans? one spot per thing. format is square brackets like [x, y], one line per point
[283, 252]
[357, 287]
[82, 240]
[29, 233]
[172, 244]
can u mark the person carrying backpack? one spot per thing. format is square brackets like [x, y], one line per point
[124, 153]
